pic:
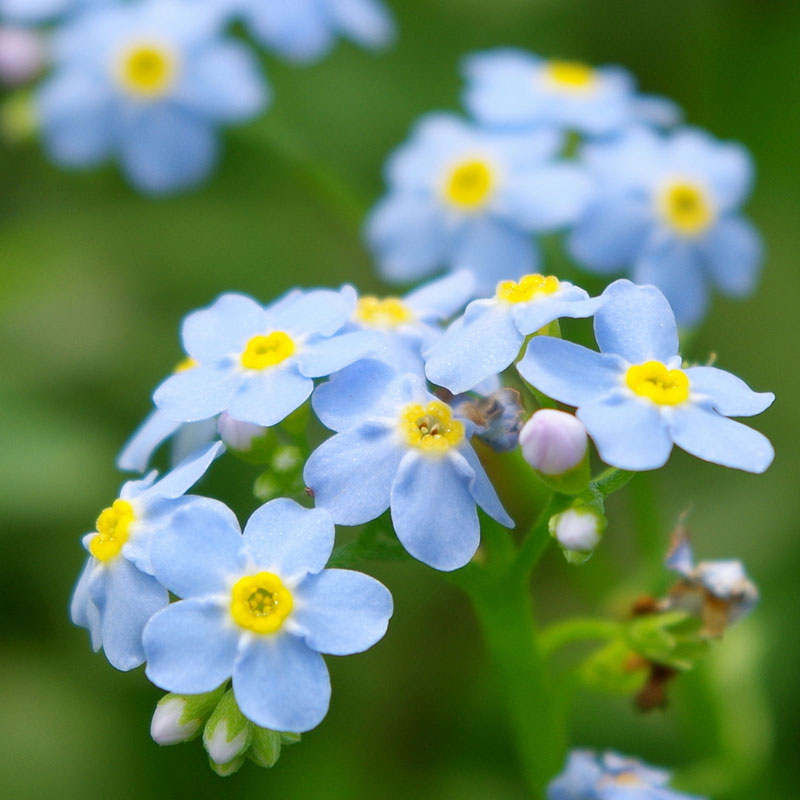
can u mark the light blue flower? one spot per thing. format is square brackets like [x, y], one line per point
[116, 593]
[636, 399]
[31, 12]
[465, 198]
[408, 325]
[305, 30]
[490, 334]
[609, 776]
[258, 363]
[147, 84]
[667, 211]
[259, 607]
[516, 89]
[399, 447]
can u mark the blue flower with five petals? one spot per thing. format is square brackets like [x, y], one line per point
[399, 447]
[116, 593]
[260, 608]
[634, 397]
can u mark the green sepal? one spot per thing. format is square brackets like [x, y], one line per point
[672, 639]
[574, 481]
[288, 738]
[261, 449]
[265, 747]
[197, 707]
[607, 670]
[225, 770]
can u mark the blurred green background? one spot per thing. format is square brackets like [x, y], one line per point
[95, 278]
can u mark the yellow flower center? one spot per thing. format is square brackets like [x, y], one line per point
[387, 313]
[686, 208]
[431, 428]
[186, 363]
[667, 387]
[469, 184]
[147, 69]
[528, 288]
[112, 530]
[628, 779]
[572, 76]
[267, 351]
[261, 602]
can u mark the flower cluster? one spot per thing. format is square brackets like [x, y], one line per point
[149, 83]
[561, 146]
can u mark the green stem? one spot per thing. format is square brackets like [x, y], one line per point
[647, 522]
[535, 543]
[576, 630]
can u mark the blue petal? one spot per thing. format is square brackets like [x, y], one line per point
[295, 29]
[83, 611]
[191, 646]
[484, 345]
[481, 487]
[322, 357]
[712, 437]
[443, 297]
[138, 451]
[291, 541]
[433, 512]
[185, 475]
[341, 612]
[131, 600]
[166, 149]
[578, 779]
[354, 394]
[351, 473]
[268, 397]
[629, 433]
[568, 372]
[191, 436]
[281, 684]
[674, 266]
[197, 393]
[365, 21]
[637, 323]
[322, 311]
[734, 254]
[571, 302]
[200, 551]
[224, 328]
[729, 395]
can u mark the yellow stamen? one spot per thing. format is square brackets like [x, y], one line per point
[147, 69]
[112, 530]
[528, 288]
[666, 387]
[572, 76]
[469, 184]
[685, 206]
[431, 428]
[186, 363]
[387, 313]
[267, 351]
[261, 602]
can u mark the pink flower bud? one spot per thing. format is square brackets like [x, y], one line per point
[553, 442]
[21, 55]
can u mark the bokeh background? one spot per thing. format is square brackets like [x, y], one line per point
[94, 280]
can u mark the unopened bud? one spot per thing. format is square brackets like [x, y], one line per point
[21, 55]
[578, 531]
[553, 442]
[248, 441]
[227, 734]
[178, 718]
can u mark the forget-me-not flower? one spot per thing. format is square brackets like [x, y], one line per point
[116, 593]
[147, 84]
[515, 89]
[305, 30]
[399, 447]
[634, 396]
[31, 12]
[610, 776]
[260, 608]
[463, 197]
[258, 363]
[490, 334]
[667, 210]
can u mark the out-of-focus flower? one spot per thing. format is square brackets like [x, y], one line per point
[21, 55]
[489, 336]
[117, 593]
[28, 12]
[515, 89]
[634, 397]
[463, 197]
[497, 417]
[667, 210]
[147, 84]
[399, 447]
[259, 607]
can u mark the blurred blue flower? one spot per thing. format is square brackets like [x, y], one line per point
[465, 198]
[259, 607]
[258, 363]
[634, 397]
[609, 776]
[116, 593]
[490, 334]
[399, 447]
[667, 210]
[305, 30]
[515, 89]
[29, 12]
[147, 84]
